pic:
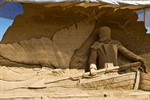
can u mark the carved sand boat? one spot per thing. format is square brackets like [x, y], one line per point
[106, 78]
[124, 81]
[110, 79]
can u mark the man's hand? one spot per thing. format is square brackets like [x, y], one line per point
[143, 65]
[93, 70]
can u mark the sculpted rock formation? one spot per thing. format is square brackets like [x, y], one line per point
[55, 53]
[40, 21]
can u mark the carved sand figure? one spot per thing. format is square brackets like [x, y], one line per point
[59, 44]
[106, 50]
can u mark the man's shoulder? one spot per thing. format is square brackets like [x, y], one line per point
[96, 45]
[115, 42]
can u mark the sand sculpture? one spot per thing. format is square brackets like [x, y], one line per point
[57, 42]
[106, 50]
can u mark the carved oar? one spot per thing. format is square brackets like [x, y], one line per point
[42, 84]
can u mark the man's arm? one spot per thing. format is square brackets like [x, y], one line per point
[130, 55]
[93, 57]
[92, 61]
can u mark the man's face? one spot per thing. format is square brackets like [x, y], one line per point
[104, 34]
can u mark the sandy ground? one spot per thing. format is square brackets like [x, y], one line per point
[15, 81]
[60, 93]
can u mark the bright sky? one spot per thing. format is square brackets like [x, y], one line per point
[4, 24]
[141, 18]
[8, 12]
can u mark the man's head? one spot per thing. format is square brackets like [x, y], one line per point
[104, 33]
